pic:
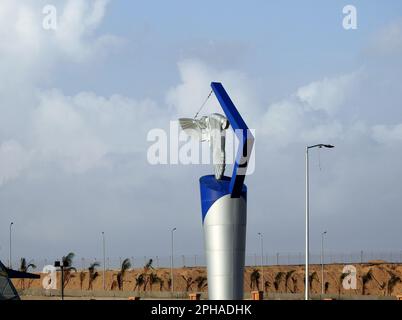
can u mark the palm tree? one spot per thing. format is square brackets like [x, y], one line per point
[67, 268]
[126, 264]
[295, 288]
[139, 281]
[153, 278]
[161, 284]
[278, 280]
[148, 265]
[326, 287]
[169, 283]
[267, 284]
[255, 279]
[366, 278]
[341, 278]
[392, 282]
[287, 277]
[68, 260]
[189, 282]
[114, 285]
[93, 274]
[201, 282]
[311, 278]
[24, 267]
[82, 278]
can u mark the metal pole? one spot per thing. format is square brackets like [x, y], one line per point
[322, 262]
[307, 216]
[171, 263]
[10, 265]
[104, 261]
[262, 258]
[62, 281]
[306, 292]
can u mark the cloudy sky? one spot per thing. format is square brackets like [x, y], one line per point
[77, 103]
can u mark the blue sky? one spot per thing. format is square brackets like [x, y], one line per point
[290, 42]
[78, 102]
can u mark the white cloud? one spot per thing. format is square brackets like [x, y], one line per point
[187, 97]
[77, 24]
[310, 113]
[13, 160]
[28, 51]
[387, 134]
[387, 41]
[61, 134]
[328, 94]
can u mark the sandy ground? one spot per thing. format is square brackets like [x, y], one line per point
[379, 283]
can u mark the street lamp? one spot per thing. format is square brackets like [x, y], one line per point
[262, 257]
[104, 261]
[306, 286]
[10, 264]
[322, 261]
[171, 261]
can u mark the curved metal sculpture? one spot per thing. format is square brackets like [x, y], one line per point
[224, 201]
[211, 129]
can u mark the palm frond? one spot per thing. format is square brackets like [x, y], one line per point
[68, 259]
[126, 264]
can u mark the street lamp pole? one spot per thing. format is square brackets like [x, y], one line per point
[262, 257]
[10, 263]
[104, 260]
[306, 285]
[171, 262]
[322, 261]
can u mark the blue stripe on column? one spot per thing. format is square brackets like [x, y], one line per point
[244, 135]
[212, 190]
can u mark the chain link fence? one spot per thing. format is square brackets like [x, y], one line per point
[269, 259]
